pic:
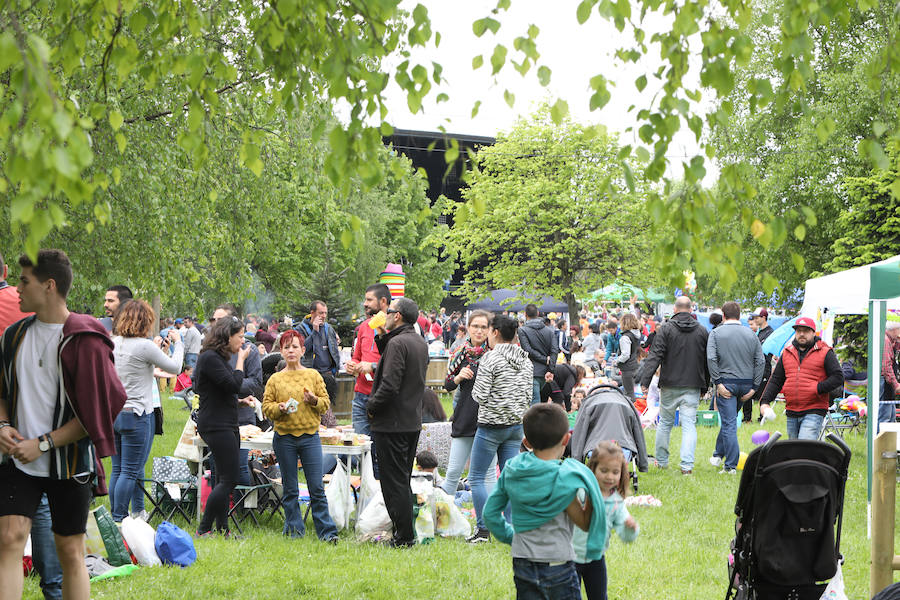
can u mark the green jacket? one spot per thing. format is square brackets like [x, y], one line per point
[538, 491]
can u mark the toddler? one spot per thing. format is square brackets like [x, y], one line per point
[609, 467]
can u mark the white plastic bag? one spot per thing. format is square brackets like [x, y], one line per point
[140, 538]
[425, 524]
[835, 588]
[374, 518]
[448, 520]
[185, 448]
[368, 485]
[338, 494]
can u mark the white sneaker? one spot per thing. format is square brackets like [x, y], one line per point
[715, 461]
[728, 472]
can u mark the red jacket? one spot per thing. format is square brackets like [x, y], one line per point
[802, 378]
[365, 350]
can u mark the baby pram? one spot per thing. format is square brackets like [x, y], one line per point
[607, 414]
[786, 543]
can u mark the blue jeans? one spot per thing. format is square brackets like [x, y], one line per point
[460, 451]
[190, 359]
[308, 448]
[541, 581]
[43, 552]
[501, 443]
[807, 427]
[887, 411]
[685, 400]
[727, 442]
[360, 419]
[132, 450]
[536, 390]
[137, 499]
[593, 574]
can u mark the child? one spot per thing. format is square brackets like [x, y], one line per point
[543, 490]
[578, 397]
[608, 464]
[426, 462]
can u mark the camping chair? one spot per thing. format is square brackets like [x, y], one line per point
[173, 489]
[260, 499]
[435, 437]
[839, 421]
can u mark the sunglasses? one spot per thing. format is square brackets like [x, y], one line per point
[391, 311]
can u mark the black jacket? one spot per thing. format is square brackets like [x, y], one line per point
[763, 334]
[540, 343]
[680, 347]
[395, 404]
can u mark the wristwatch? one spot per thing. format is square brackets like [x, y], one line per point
[44, 444]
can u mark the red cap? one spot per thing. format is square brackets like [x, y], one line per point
[805, 322]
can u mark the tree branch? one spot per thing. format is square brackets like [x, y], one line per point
[221, 90]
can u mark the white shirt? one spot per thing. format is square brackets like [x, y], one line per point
[37, 371]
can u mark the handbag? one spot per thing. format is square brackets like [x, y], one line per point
[158, 420]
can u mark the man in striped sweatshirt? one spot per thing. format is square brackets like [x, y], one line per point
[503, 391]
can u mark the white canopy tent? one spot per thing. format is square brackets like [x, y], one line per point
[843, 293]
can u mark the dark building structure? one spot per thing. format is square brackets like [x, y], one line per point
[427, 149]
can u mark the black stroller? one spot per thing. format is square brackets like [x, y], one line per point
[790, 497]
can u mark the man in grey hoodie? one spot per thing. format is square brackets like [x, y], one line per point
[680, 350]
[503, 392]
[539, 341]
[735, 361]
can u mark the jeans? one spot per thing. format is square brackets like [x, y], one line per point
[501, 443]
[727, 442]
[137, 500]
[887, 411]
[460, 451]
[43, 552]
[132, 450]
[593, 574]
[628, 383]
[308, 448]
[541, 581]
[685, 400]
[361, 423]
[190, 359]
[536, 390]
[807, 427]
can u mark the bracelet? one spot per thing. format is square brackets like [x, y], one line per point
[50, 440]
[5, 424]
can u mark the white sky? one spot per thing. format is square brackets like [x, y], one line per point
[574, 53]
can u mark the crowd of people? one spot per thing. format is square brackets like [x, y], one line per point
[76, 389]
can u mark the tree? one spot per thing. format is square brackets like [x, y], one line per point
[554, 214]
[792, 161]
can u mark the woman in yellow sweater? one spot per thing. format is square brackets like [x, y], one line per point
[295, 400]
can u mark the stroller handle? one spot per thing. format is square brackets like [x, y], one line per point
[840, 443]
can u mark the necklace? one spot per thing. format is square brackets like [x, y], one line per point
[58, 338]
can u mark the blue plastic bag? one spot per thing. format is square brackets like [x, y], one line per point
[174, 545]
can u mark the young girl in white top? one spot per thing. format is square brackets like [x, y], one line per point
[609, 467]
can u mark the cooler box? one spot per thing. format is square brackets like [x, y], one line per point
[708, 418]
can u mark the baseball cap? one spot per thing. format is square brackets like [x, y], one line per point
[760, 312]
[805, 322]
[178, 321]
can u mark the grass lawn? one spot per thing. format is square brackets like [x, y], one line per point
[680, 553]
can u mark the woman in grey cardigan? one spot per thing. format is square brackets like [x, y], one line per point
[136, 355]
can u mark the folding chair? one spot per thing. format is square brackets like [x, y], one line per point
[173, 487]
[254, 501]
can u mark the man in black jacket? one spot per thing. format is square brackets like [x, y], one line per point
[395, 412]
[680, 348]
[760, 320]
[540, 343]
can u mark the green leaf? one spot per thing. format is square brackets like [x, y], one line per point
[559, 111]
[878, 128]
[498, 58]
[509, 97]
[629, 176]
[346, 239]
[583, 12]
[543, 74]
[121, 142]
[115, 119]
[477, 62]
[800, 232]
[482, 25]
[9, 52]
[824, 129]
[798, 261]
[475, 108]
[640, 83]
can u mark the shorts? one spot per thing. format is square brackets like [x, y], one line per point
[70, 499]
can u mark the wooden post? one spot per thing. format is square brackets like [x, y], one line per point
[884, 493]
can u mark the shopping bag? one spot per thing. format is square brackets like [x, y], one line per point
[116, 551]
[368, 485]
[338, 494]
[93, 541]
[425, 524]
[374, 518]
[448, 519]
[174, 545]
[140, 536]
[185, 448]
[835, 588]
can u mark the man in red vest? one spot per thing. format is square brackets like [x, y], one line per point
[806, 372]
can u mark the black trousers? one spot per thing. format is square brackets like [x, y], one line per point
[225, 448]
[396, 453]
[748, 404]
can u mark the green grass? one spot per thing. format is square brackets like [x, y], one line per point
[680, 554]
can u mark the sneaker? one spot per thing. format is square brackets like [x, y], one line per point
[715, 461]
[333, 540]
[659, 465]
[728, 472]
[203, 534]
[687, 471]
[230, 535]
[395, 543]
[480, 536]
[143, 516]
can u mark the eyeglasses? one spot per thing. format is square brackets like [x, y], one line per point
[391, 311]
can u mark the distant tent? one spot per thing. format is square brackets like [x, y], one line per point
[617, 292]
[505, 300]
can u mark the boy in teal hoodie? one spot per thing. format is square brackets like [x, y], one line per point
[543, 493]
